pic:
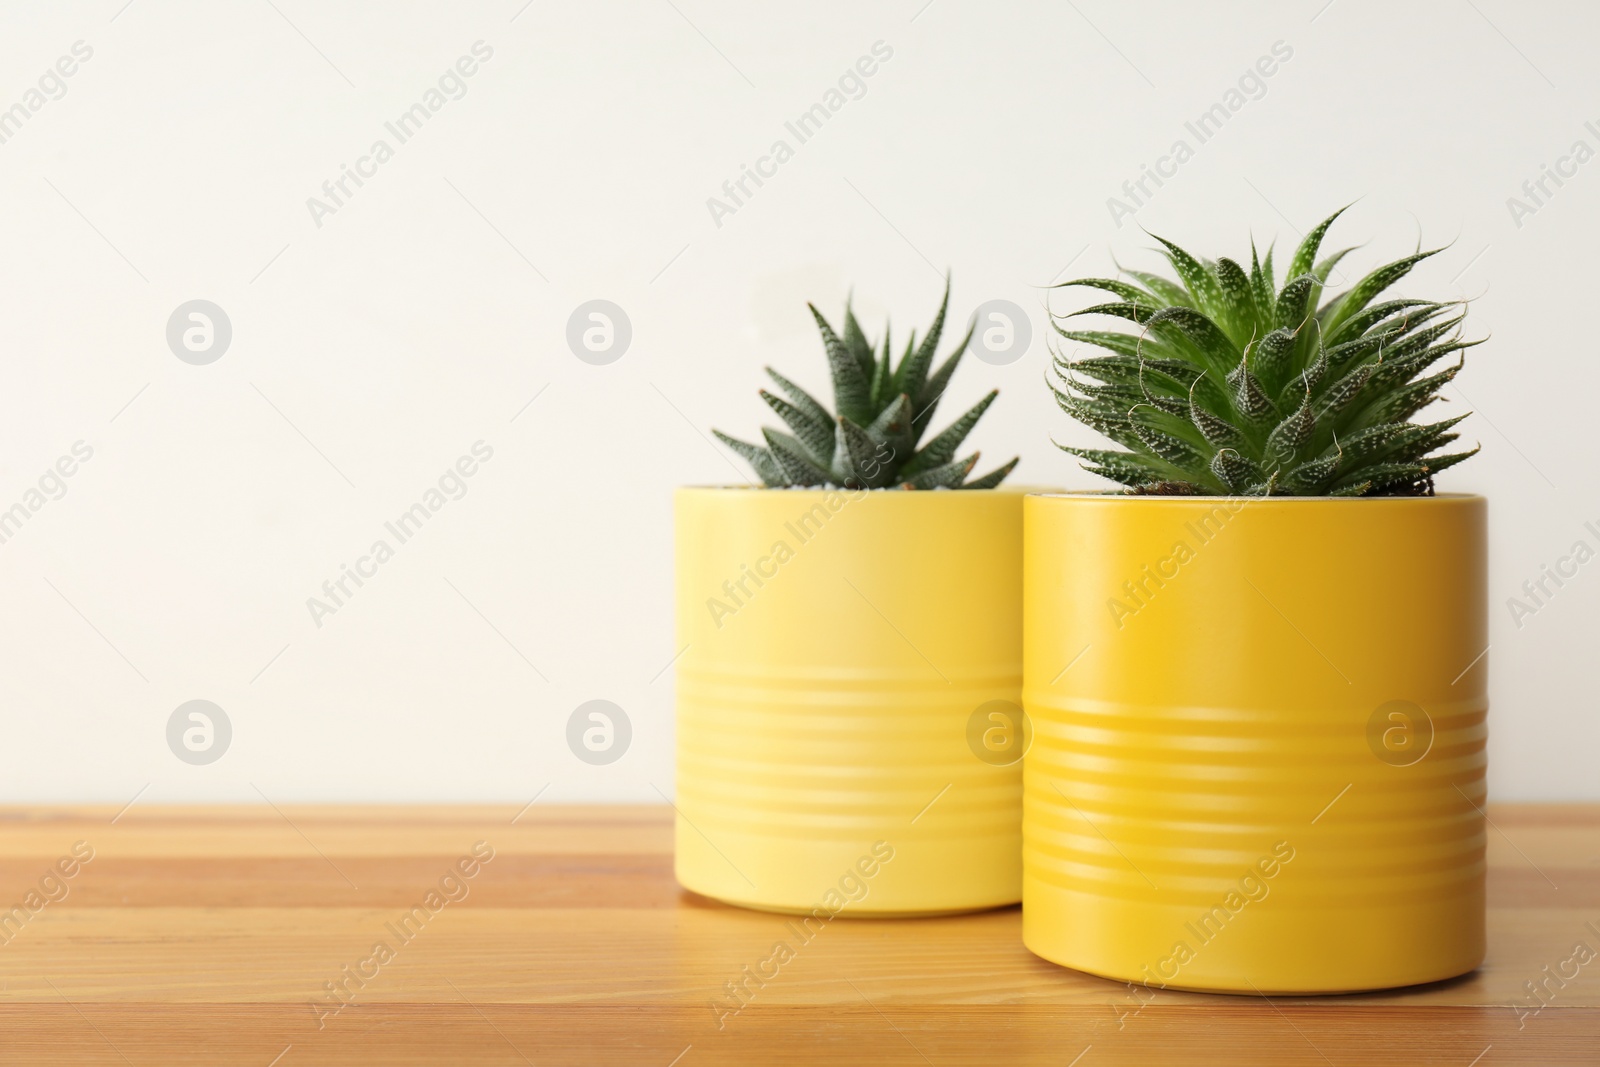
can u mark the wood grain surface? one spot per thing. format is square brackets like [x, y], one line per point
[212, 935]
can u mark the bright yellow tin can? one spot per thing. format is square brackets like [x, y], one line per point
[1258, 753]
[839, 649]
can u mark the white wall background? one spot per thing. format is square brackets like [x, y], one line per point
[372, 351]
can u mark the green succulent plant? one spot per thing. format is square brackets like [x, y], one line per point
[883, 409]
[1234, 385]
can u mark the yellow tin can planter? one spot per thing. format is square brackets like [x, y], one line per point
[838, 649]
[1258, 752]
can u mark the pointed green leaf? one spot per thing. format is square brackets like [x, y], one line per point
[790, 456]
[1202, 285]
[893, 421]
[1425, 439]
[1131, 293]
[1168, 402]
[1174, 374]
[1263, 286]
[937, 383]
[1392, 373]
[940, 450]
[949, 476]
[1439, 463]
[1271, 357]
[852, 390]
[1162, 289]
[1122, 343]
[912, 373]
[1250, 399]
[1128, 468]
[1112, 424]
[1368, 446]
[1286, 439]
[1235, 471]
[1306, 254]
[1294, 302]
[766, 467]
[1123, 310]
[1350, 352]
[816, 436]
[1311, 477]
[1402, 403]
[858, 460]
[881, 374]
[1342, 393]
[1170, 447]
[1363, 292]
[857, 342]
[1239, 317]
[1304, 384]
[1209, 342]
[891, 431]
[1386, 477]
[1329, 264]
[1266, 488]
[993, 478]
[1217, 431]
[1357, 324]
[802, 399]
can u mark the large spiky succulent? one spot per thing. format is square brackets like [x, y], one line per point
[883, 410]
[1234, 385]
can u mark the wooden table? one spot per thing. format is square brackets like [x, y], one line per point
[208, 936]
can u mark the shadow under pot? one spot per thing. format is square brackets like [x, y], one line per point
[849, 729]
[1264, 773]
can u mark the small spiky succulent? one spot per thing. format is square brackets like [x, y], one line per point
[1236, 386]
[883, 410]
